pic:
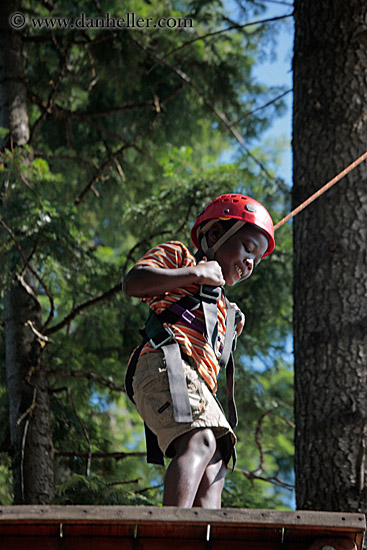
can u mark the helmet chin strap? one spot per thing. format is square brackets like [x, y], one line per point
[210, 251]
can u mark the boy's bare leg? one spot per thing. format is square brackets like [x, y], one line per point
[209, 493]
[194, 451]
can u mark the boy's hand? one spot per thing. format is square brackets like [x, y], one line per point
[210, 273]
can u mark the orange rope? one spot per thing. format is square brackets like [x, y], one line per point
[321, 191]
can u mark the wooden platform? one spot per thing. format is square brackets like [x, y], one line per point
[153, 528]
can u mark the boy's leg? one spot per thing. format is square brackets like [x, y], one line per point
[209, 494]
[194, 452]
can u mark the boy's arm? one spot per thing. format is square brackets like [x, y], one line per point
[143, 281]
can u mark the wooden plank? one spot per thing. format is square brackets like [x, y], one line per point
[112, 527]
[29, 543]
[141, 514]
[74, 543]
[252, 545]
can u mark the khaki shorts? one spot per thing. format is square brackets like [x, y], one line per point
[153, 402]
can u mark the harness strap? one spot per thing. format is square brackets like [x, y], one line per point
[177, 381]
[230, 334]
[232, 410]
[182, 310]
[209, 296]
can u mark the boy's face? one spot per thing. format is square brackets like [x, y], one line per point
[241, 253]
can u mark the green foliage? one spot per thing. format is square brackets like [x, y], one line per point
[126, 149]
[79, 489]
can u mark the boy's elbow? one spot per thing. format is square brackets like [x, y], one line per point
[131, 284]
[127, 287]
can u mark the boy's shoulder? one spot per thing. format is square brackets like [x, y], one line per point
[169, 254]
[174, 247]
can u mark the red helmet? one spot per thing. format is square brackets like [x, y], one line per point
[238, 207]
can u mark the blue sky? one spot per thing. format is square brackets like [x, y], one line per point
[276, 71]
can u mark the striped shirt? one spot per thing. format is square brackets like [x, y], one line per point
[172, 255]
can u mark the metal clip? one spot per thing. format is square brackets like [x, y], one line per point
[188, 316]
[163, 342]
[210, 292]
[136, 538]
[208, 542]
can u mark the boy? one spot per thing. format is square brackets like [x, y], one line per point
[175, 377]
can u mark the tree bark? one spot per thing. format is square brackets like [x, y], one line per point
[330, 259]
[30, 430]
[29, 415]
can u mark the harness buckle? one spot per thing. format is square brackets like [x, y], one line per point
[212, 293]
[165, 340]
[188, 316]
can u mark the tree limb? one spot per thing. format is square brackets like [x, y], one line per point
[221, 115]
[55, 85]
[89, 376]
[58, 112]
[84, 305]
[151, 488]
[127, 482]
[271, 479]
[99, 455]
[100, 170]
[221, 31]
[249, 113]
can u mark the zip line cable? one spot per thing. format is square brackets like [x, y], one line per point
[318, 193]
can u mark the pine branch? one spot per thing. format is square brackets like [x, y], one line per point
[111, 159]
[221, 31]
[63, 71]
[99, 172]
[257, 474]
[221, 115]
[84, 305]
[99, 455]
[249, 113]
[73, 158]
[271, 479]
[89, 376]
[127, 482]
[258, 441]
[147, 240]
[58, 112]
[151, 488]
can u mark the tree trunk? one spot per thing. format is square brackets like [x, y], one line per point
[330, 275]
[30, 431]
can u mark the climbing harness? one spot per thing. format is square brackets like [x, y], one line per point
[162, 337]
